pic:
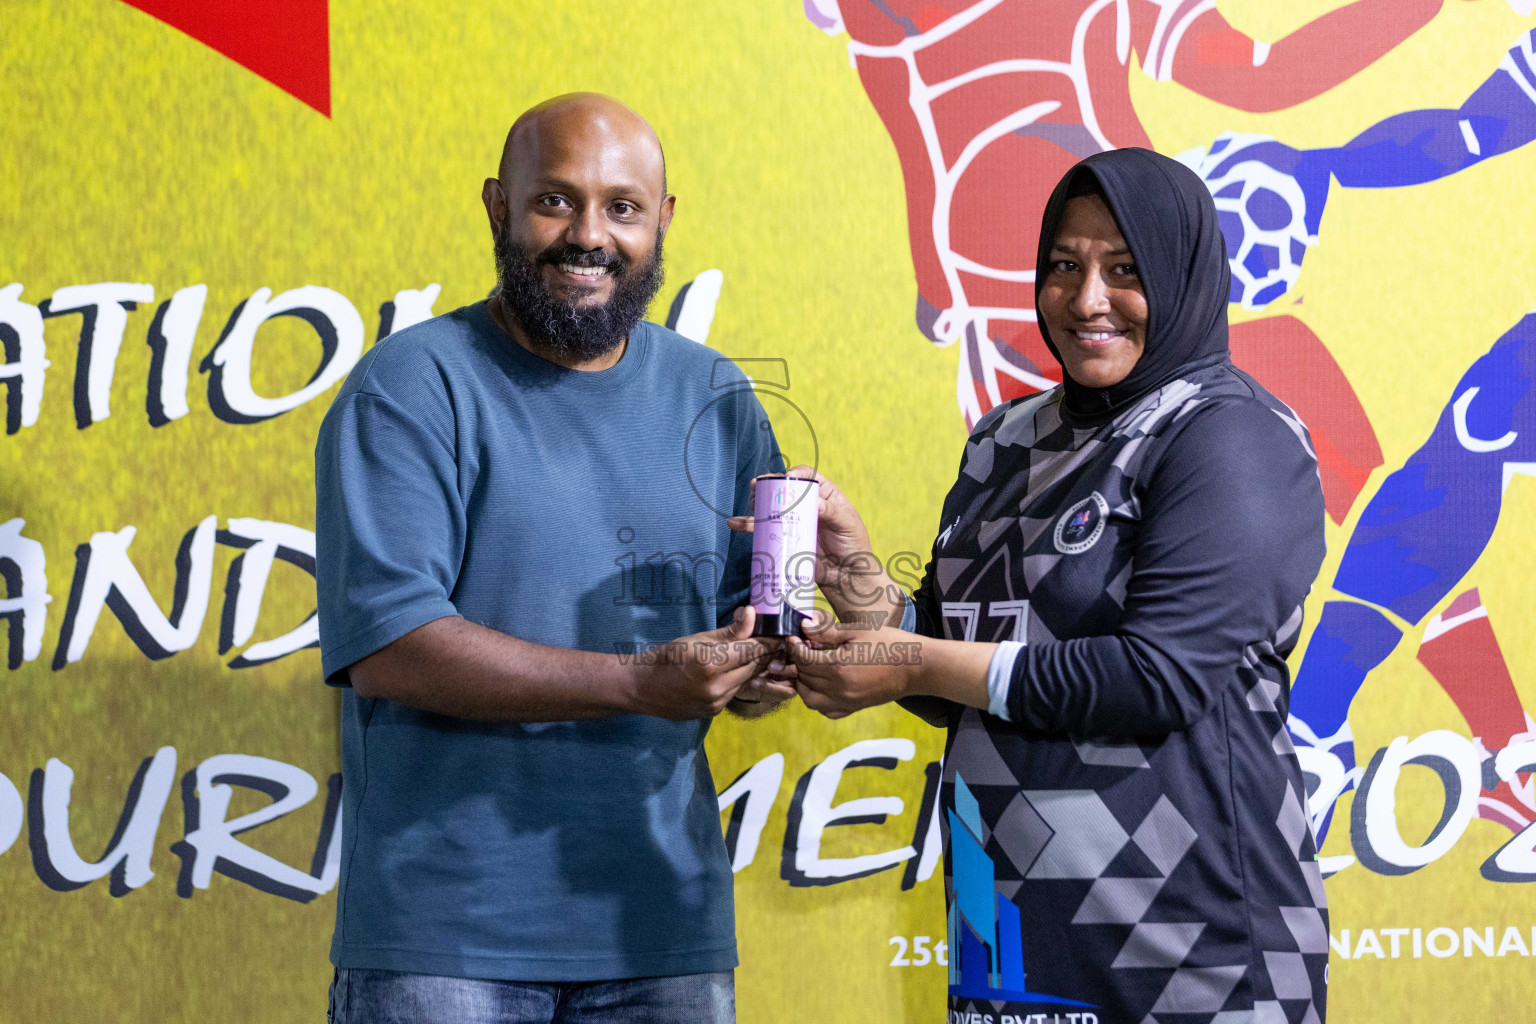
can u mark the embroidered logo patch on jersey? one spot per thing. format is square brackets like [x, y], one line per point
[1080, 526]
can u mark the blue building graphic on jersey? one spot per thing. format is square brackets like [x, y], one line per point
[986, 936]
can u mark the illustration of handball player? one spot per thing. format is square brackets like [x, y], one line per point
[1430, 520]
[989, 103]
[970, 94]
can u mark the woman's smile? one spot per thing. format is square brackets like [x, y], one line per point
[1098, 338]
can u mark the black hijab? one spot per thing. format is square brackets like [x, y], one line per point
[1168, 219]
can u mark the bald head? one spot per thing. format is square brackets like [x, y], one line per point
[588, 121]
[578, 211]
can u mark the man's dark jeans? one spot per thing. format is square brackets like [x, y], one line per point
[361, 996]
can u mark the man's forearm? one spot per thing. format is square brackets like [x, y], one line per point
[454, 667]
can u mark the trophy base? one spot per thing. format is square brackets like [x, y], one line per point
[778, 625]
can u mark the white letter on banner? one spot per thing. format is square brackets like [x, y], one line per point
[11, 813]
[1512, 941]
[1435, 949]
[753, 794]
[104, 575]
[105, 313]
[413, 306]
[812, 812]
[341, 337]
[211, 845]
[22, 572]
[1369, 944]
[1515, 861]
[1340, 944]
[127, 860]
[933, 842]
[248, 584]
[22, 348]
[170, 339]
[693, 308]
[1373, 825]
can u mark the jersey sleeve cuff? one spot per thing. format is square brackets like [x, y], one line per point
[908, 614]
[999, 676]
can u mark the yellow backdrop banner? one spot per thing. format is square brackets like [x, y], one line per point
[203, 228]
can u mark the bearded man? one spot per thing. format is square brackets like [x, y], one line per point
[504, 517]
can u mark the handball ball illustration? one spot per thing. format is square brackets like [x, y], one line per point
[1263, 213]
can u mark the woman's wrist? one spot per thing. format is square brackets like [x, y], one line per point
[955, 670]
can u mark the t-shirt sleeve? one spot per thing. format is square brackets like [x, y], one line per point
[757, 452]
[1231, 540]
[389, 528]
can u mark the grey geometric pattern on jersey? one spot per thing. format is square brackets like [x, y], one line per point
[1163, 880]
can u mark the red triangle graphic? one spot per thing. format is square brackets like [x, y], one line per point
[287, 42]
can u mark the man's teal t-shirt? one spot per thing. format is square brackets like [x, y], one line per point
[458, 474]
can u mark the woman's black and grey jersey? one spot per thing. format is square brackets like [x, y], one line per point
[1131, 840]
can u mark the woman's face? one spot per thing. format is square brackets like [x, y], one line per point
[1091, 298]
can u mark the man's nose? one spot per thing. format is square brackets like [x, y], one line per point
[586, 230]
[1091, 297]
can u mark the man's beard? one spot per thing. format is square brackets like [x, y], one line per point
[583, 333]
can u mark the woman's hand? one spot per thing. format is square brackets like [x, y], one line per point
[844, 667]
[849, 574]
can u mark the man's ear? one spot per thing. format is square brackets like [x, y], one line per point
[667, 206]
[495, 201]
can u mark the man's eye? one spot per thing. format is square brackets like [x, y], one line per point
[623, 209]
[553, 201]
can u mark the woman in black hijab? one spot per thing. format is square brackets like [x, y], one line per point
[1117, 580]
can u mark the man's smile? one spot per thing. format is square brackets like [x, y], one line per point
[583, 273]
[581, 279]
